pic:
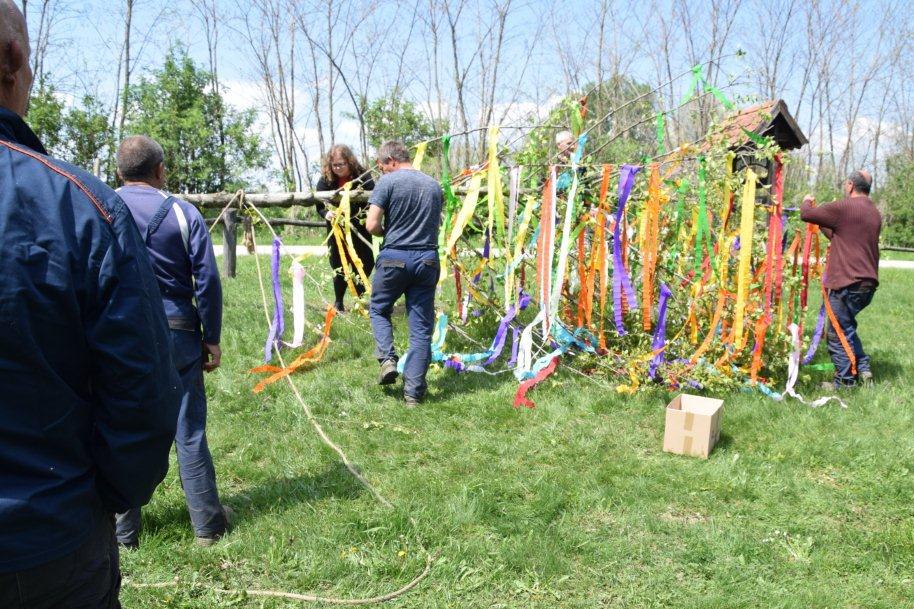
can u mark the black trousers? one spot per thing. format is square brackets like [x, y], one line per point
[88, 578]
[362, 250]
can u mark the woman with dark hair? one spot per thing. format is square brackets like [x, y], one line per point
[340, 166]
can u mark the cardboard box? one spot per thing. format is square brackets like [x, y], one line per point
[692, 425]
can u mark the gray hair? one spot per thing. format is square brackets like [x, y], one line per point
[861, 182]
[563, 136]
[393, 151]
[138, 157]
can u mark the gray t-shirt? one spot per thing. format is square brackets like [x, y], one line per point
[412, 203]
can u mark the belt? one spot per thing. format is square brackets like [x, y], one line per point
[187, 324]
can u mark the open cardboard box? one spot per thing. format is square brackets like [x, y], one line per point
[692, 425]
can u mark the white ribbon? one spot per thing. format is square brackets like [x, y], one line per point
[298, 304]
[793, 372]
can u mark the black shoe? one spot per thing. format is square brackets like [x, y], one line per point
[389, 372]
[339, 307]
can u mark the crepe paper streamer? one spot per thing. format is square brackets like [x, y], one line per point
[520, 398]
[703, 234]
[793, 372]
[747, 221]
[600, 251]
[564, 248]
[420, 155]
[494, 196]
[298, 304]
[823, 367]
[546, 248]
[817, 335]
[515, 339]
[311, 356]
[438, 338]
[345, 218]
[651, 246]
[277, 326]
[839, 332]
[519, 255]
[761, 327]
[498, 342]
[661, 128]
[621, 281]
[525, 348]
[466, 212]
[659, 343]
[700, 84]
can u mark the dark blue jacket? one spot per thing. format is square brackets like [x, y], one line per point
[88, 391]
[182, 258]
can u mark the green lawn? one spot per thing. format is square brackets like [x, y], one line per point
[571, 504]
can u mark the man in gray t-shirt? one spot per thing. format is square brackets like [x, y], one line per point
[405, 207]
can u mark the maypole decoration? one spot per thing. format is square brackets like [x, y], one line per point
[690, 245]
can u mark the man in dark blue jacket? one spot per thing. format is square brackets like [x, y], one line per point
[185, 267]
[89, 391]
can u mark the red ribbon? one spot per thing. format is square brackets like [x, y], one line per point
[520, 398]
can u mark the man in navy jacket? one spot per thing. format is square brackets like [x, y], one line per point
[185, 267]
[88, 390]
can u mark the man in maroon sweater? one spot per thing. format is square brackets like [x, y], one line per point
[852, 270]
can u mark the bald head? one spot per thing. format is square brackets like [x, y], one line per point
[141, 159]
[860, 182]
[15, 72]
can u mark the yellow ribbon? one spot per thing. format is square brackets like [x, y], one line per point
[747, 222]
[465, 214]
[346, 213]
[420, 155]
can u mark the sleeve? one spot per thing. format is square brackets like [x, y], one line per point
[380, 194]
[207, 285]
[135, 387]
[825, 216]
[320, 207]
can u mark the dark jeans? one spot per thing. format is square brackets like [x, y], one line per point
[88, 578]
[195, 464]
[847, 303]
[362, 250]
[415, 274]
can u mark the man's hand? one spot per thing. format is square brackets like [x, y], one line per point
[329, 216]
[212, 357]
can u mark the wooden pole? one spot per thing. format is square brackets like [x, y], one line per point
[229, 240]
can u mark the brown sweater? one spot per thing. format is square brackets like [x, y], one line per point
[853, 225]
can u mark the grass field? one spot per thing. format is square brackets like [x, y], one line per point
[571, 504]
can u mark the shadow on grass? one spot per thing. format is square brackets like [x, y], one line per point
[270, 496]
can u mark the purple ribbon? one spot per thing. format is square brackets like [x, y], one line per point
[515, 343]
[278, 324]
[620, 275]
[660, 332]
[816, 337]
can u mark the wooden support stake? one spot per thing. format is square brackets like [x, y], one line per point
[229, 240]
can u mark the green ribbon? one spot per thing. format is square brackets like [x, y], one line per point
[701, 84]
[661, 128]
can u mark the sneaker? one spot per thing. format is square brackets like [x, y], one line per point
[866, 378]
[388, 373]
[834, 386]
[339, 307]
[228, 515]
[411, 401]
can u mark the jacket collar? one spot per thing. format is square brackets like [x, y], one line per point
[13, 129]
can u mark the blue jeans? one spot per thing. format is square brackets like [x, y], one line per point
[847, 303]
[195, 464]
[415, 274]
[87, 578]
